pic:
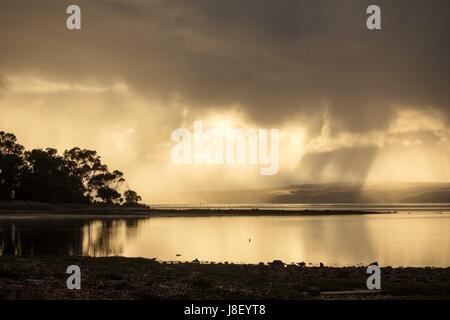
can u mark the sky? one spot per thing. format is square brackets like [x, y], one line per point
[351, 104]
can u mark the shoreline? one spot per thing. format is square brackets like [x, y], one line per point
[257, 212]
[44, 277]
[140, 212]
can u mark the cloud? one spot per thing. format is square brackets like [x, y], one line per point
[139, 69]
[272, 59]
[345, 165]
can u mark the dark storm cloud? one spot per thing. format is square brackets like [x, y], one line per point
[351, 164]
[2, 81]
[274, 59]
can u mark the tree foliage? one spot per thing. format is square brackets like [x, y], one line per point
[43, 175]
[131, 197]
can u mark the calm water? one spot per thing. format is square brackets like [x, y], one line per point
[417, 239]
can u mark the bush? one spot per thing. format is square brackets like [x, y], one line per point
[25, 205]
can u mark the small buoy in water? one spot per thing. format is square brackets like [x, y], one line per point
[249, 239]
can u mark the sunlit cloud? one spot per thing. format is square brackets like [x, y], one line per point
[30, 84]
[349, 106]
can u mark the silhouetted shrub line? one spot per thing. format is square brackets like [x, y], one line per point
[20, 205]
[38, 178]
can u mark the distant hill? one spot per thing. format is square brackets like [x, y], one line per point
[320, 193]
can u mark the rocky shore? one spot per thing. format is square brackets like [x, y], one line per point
[44, 277]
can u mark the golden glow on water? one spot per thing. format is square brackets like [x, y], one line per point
[103, 239]
[420, 239]
[417, 239]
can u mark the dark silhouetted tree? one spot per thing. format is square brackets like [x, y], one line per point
[131, 197]
[43, 175]
[108, 195]
[86, 164]
[50, 179]
[106, 185]
[11, 165]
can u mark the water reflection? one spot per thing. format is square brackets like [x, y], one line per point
[399, 240]
[66, 237]
[106, 238]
